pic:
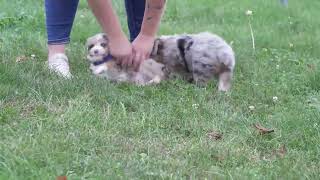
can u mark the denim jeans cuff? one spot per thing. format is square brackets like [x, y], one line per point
[59, 41]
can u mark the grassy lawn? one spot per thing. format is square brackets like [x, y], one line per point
[88, 128]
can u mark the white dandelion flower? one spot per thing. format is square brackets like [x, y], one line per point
[248, 12]
[196, 106]
[275, 98]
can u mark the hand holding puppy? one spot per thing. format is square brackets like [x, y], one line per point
[121, 50]
[131, 55]
[142, 47]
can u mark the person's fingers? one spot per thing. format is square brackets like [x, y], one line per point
[143, 58]
[147, 56]
[118, 61]
[137, 61]
[124, 61]
[117, 58]
[135, 58]
[129, 60]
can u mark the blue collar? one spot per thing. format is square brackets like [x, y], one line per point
[104, 60]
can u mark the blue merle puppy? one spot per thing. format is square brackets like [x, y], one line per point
[197, 58]
[102, 64]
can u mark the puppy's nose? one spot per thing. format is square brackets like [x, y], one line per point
[95, 51]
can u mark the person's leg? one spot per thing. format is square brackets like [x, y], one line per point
[59, 20]
[135, 13]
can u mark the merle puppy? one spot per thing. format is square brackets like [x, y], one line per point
[104, 65]
[197, 58]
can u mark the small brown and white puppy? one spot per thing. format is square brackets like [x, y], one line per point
[197, 58]
[103, 64]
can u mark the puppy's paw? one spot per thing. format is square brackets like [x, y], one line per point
[155, 80]
[225, 81]
[224, 87]
[97, 71]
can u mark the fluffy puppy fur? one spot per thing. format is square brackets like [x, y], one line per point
[197, 58]
[102, 64]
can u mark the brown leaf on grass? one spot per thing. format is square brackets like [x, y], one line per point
[263, 130]
[214, 135]
[62, 178]
[21, 59]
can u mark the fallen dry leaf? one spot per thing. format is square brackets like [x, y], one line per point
[214, 135]
[21, 58]
[263, 130]
[62, 178]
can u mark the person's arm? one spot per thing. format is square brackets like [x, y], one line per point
[152, 16]
[120, 47]
[143, 44]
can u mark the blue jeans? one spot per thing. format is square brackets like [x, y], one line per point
[60, 16]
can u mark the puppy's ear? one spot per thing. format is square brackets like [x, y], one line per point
[184, 43]
[157, 46]
[189, 43]
[88, 41]
[105, 36]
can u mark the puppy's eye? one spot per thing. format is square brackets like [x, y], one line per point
[90, 46]
[104, 45]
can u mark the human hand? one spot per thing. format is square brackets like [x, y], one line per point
[142, 47]
[121, 50]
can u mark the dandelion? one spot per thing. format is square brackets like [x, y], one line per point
[251, 108]
[275, 98]
[195, 106]
[248, 12]
[291, 45]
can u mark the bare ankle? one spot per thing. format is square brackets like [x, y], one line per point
[55, 49]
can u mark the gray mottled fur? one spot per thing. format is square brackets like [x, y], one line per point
[197, 57]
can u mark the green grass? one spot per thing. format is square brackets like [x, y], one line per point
[88, 128]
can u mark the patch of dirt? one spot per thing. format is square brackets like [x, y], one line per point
[311, 67]
[20, 59]
[281, 152]
[271, 155]
[263, 130]
[214, 135]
